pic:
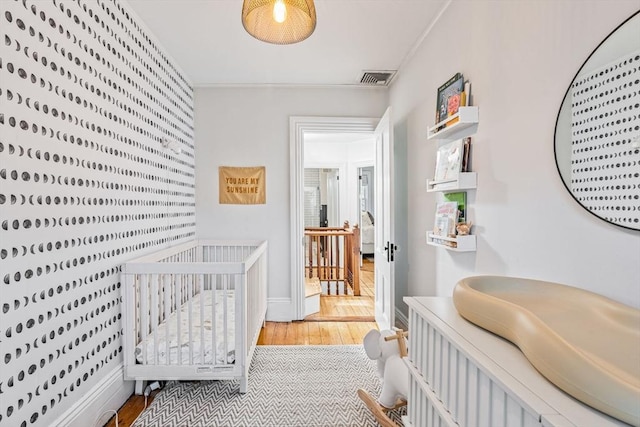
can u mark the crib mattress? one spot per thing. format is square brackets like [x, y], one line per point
[179, 337]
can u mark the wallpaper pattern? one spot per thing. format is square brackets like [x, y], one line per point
[605, 125]
[87, 98]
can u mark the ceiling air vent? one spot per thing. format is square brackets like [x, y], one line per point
[377, 78]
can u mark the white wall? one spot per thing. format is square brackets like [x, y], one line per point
[520, 57]
[250, 126]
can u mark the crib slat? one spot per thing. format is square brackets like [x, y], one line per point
[190, 315]
[154, 315]
[144, 310]
[200, 278]
[167, 290]
[214, 325]
[225, 322]
[177, 308]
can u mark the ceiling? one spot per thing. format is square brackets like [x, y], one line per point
[207, 40]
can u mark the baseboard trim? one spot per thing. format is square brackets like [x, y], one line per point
[317, 318]
[279, 310]
[109, 394]
[401, 320]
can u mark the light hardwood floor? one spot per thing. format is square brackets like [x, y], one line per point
[342, 320]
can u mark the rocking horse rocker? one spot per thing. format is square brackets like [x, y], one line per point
[379, 346]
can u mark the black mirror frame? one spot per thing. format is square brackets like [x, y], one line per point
[555, 130]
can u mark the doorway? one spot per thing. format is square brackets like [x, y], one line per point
[302, 127]
[333, 165]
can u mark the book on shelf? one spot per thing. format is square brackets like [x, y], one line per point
[449, 161]
[442, 98]
[449, 99]
[446, 219]
[460, 198]
[467, 94]
[466, 150]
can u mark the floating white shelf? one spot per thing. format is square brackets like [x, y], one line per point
[464, 181]
[460, 125]
[456, 244]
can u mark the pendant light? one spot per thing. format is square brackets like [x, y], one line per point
[279, 21]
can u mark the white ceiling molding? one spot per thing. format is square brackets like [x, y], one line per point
[420, 40]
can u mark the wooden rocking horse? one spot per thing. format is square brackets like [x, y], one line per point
[392, 371]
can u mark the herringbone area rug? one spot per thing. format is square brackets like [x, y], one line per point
[289, 386]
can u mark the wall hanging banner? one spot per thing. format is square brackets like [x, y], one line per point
[242, 186]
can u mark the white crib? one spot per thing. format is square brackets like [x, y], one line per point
[194, 311]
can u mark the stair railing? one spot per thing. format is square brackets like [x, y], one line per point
[333, 256]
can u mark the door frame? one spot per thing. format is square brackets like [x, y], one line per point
[298, 126]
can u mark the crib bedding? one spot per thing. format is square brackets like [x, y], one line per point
[225, 340]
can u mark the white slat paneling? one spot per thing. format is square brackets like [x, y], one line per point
[462, 375]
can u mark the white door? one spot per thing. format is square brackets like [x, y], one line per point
[384, 234]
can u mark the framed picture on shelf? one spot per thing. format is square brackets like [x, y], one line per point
[449, 161]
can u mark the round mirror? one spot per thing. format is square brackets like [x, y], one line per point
[597, 135]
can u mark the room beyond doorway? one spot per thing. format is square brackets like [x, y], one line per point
[336, 324]
[350, 308]
[338, 185]
[303, 128]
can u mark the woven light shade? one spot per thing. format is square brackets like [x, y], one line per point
[258, 19]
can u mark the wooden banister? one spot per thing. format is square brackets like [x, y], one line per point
[337, 256]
